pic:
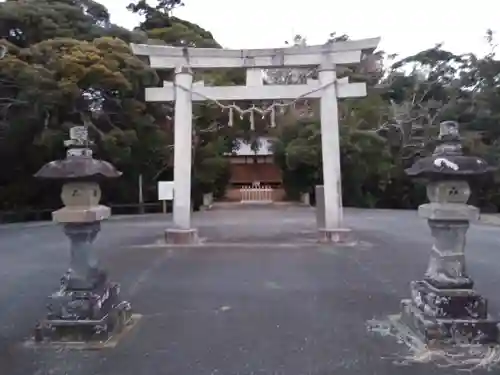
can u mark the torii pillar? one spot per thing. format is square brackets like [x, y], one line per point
[334, 231]
[182, 232]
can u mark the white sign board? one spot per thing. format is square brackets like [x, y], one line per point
[165, 190]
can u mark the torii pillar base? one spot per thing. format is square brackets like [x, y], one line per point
[176, 236]
[343, 236]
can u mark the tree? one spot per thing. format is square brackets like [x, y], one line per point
[160, 25]
[365, 161]
[49, 82]
[24, 23]
[424, 89]
[66, 82]
[164, 7]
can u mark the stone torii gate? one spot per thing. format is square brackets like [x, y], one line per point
[327, 88]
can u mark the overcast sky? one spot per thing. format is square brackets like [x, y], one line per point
[406, 27]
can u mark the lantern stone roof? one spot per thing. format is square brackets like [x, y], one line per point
[448, 160]
[449, 166]
[78, 167]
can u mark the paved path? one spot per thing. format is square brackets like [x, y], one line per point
[259, 298]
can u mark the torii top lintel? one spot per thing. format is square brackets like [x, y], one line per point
[344, 53]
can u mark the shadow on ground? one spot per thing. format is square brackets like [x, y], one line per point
[259, 298]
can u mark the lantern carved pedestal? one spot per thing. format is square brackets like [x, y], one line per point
[444, 308]
[87, 306]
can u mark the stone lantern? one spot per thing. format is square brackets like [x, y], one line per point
[88, 305]
[444, 308]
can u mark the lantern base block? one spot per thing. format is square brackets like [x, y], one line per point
[81, 214]
[175, 236]
[84, 315]
[338, 235]
[448, 211]
[448, 316]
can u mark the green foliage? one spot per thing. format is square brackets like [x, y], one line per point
[66, 65]
[26, 22]
[365, 161]
[182, 33]
[297, 151]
